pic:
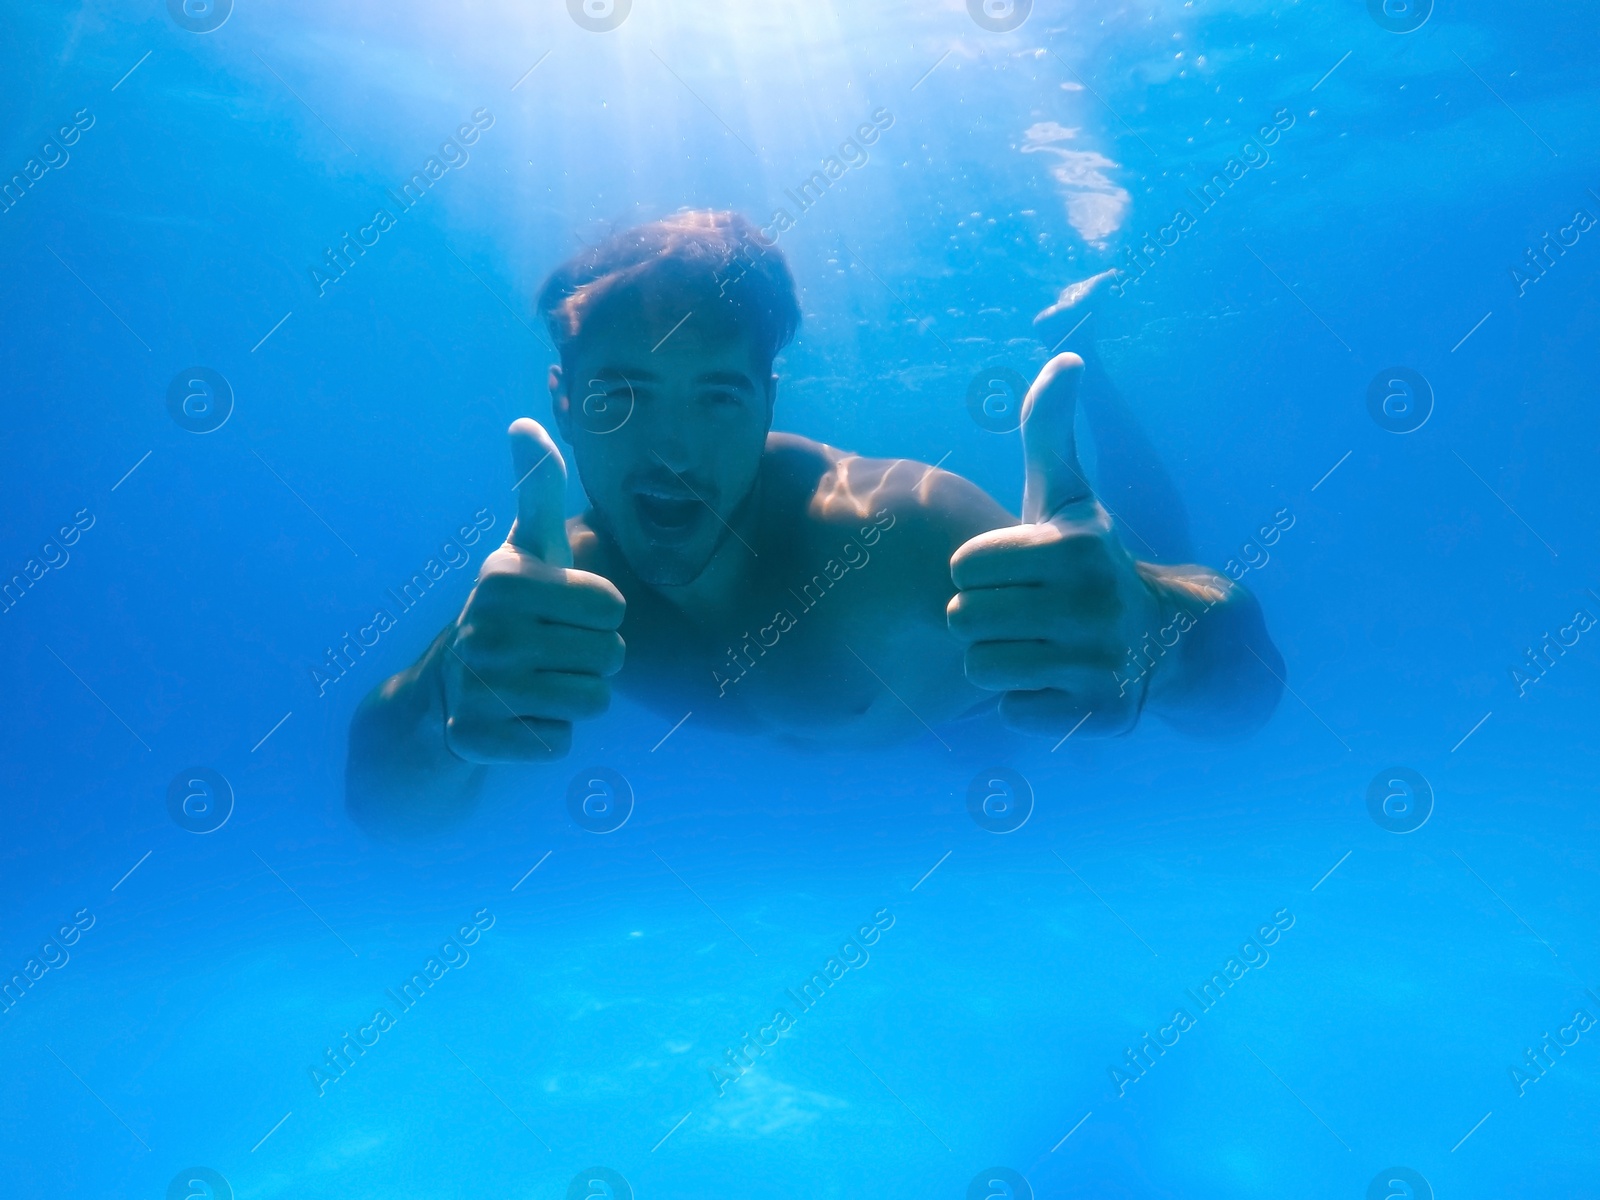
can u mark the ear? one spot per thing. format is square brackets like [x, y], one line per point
[772, 397]
[560, 404]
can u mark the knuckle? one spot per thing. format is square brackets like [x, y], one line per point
[499, 593]
[505, 561]
[616, 655]
[470, 740]
[601, 595]
[961, 614]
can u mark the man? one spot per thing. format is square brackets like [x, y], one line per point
[773, 584]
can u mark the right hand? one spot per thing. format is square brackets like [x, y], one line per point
[535, 646]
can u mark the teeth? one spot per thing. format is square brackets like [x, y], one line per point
[666, 511]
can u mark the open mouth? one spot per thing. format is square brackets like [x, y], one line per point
[668, 517]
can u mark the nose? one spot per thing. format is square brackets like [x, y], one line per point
[672, 454]
[665, 434]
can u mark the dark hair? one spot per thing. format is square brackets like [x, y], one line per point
[716, 264]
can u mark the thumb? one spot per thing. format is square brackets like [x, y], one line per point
[541, 486]
[1053, 479]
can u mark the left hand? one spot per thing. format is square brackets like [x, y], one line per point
[1050, 609]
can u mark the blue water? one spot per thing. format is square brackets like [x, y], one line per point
[1396, 219]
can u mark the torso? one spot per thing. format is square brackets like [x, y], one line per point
[839, 633]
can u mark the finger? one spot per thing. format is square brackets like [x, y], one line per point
[489, 697]
[562, 597]
[1030, 666]
[1053, 478]
[1053, 713]
[491, 693]
[508, 741]
[498, 647]
[1069, 614]
[1033, 554]
[541, 486]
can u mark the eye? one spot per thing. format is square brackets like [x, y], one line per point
[723, 396]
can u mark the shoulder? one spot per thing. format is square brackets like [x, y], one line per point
[845, 489]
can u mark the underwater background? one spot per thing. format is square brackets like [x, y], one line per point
[1351, 349]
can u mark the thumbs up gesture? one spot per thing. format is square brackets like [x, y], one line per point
[1048, 609]
[534, 648]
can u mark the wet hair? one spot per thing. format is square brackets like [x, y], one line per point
[714, 264]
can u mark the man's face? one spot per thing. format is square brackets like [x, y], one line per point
[667, 430]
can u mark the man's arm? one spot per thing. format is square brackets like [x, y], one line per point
[1210, 665]
[401, 779]
[532, 651]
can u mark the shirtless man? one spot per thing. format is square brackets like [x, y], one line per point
[773, 584]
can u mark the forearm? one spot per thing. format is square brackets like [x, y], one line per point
[1210, 667]
[401, 778]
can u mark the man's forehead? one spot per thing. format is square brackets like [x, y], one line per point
[648, 356]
